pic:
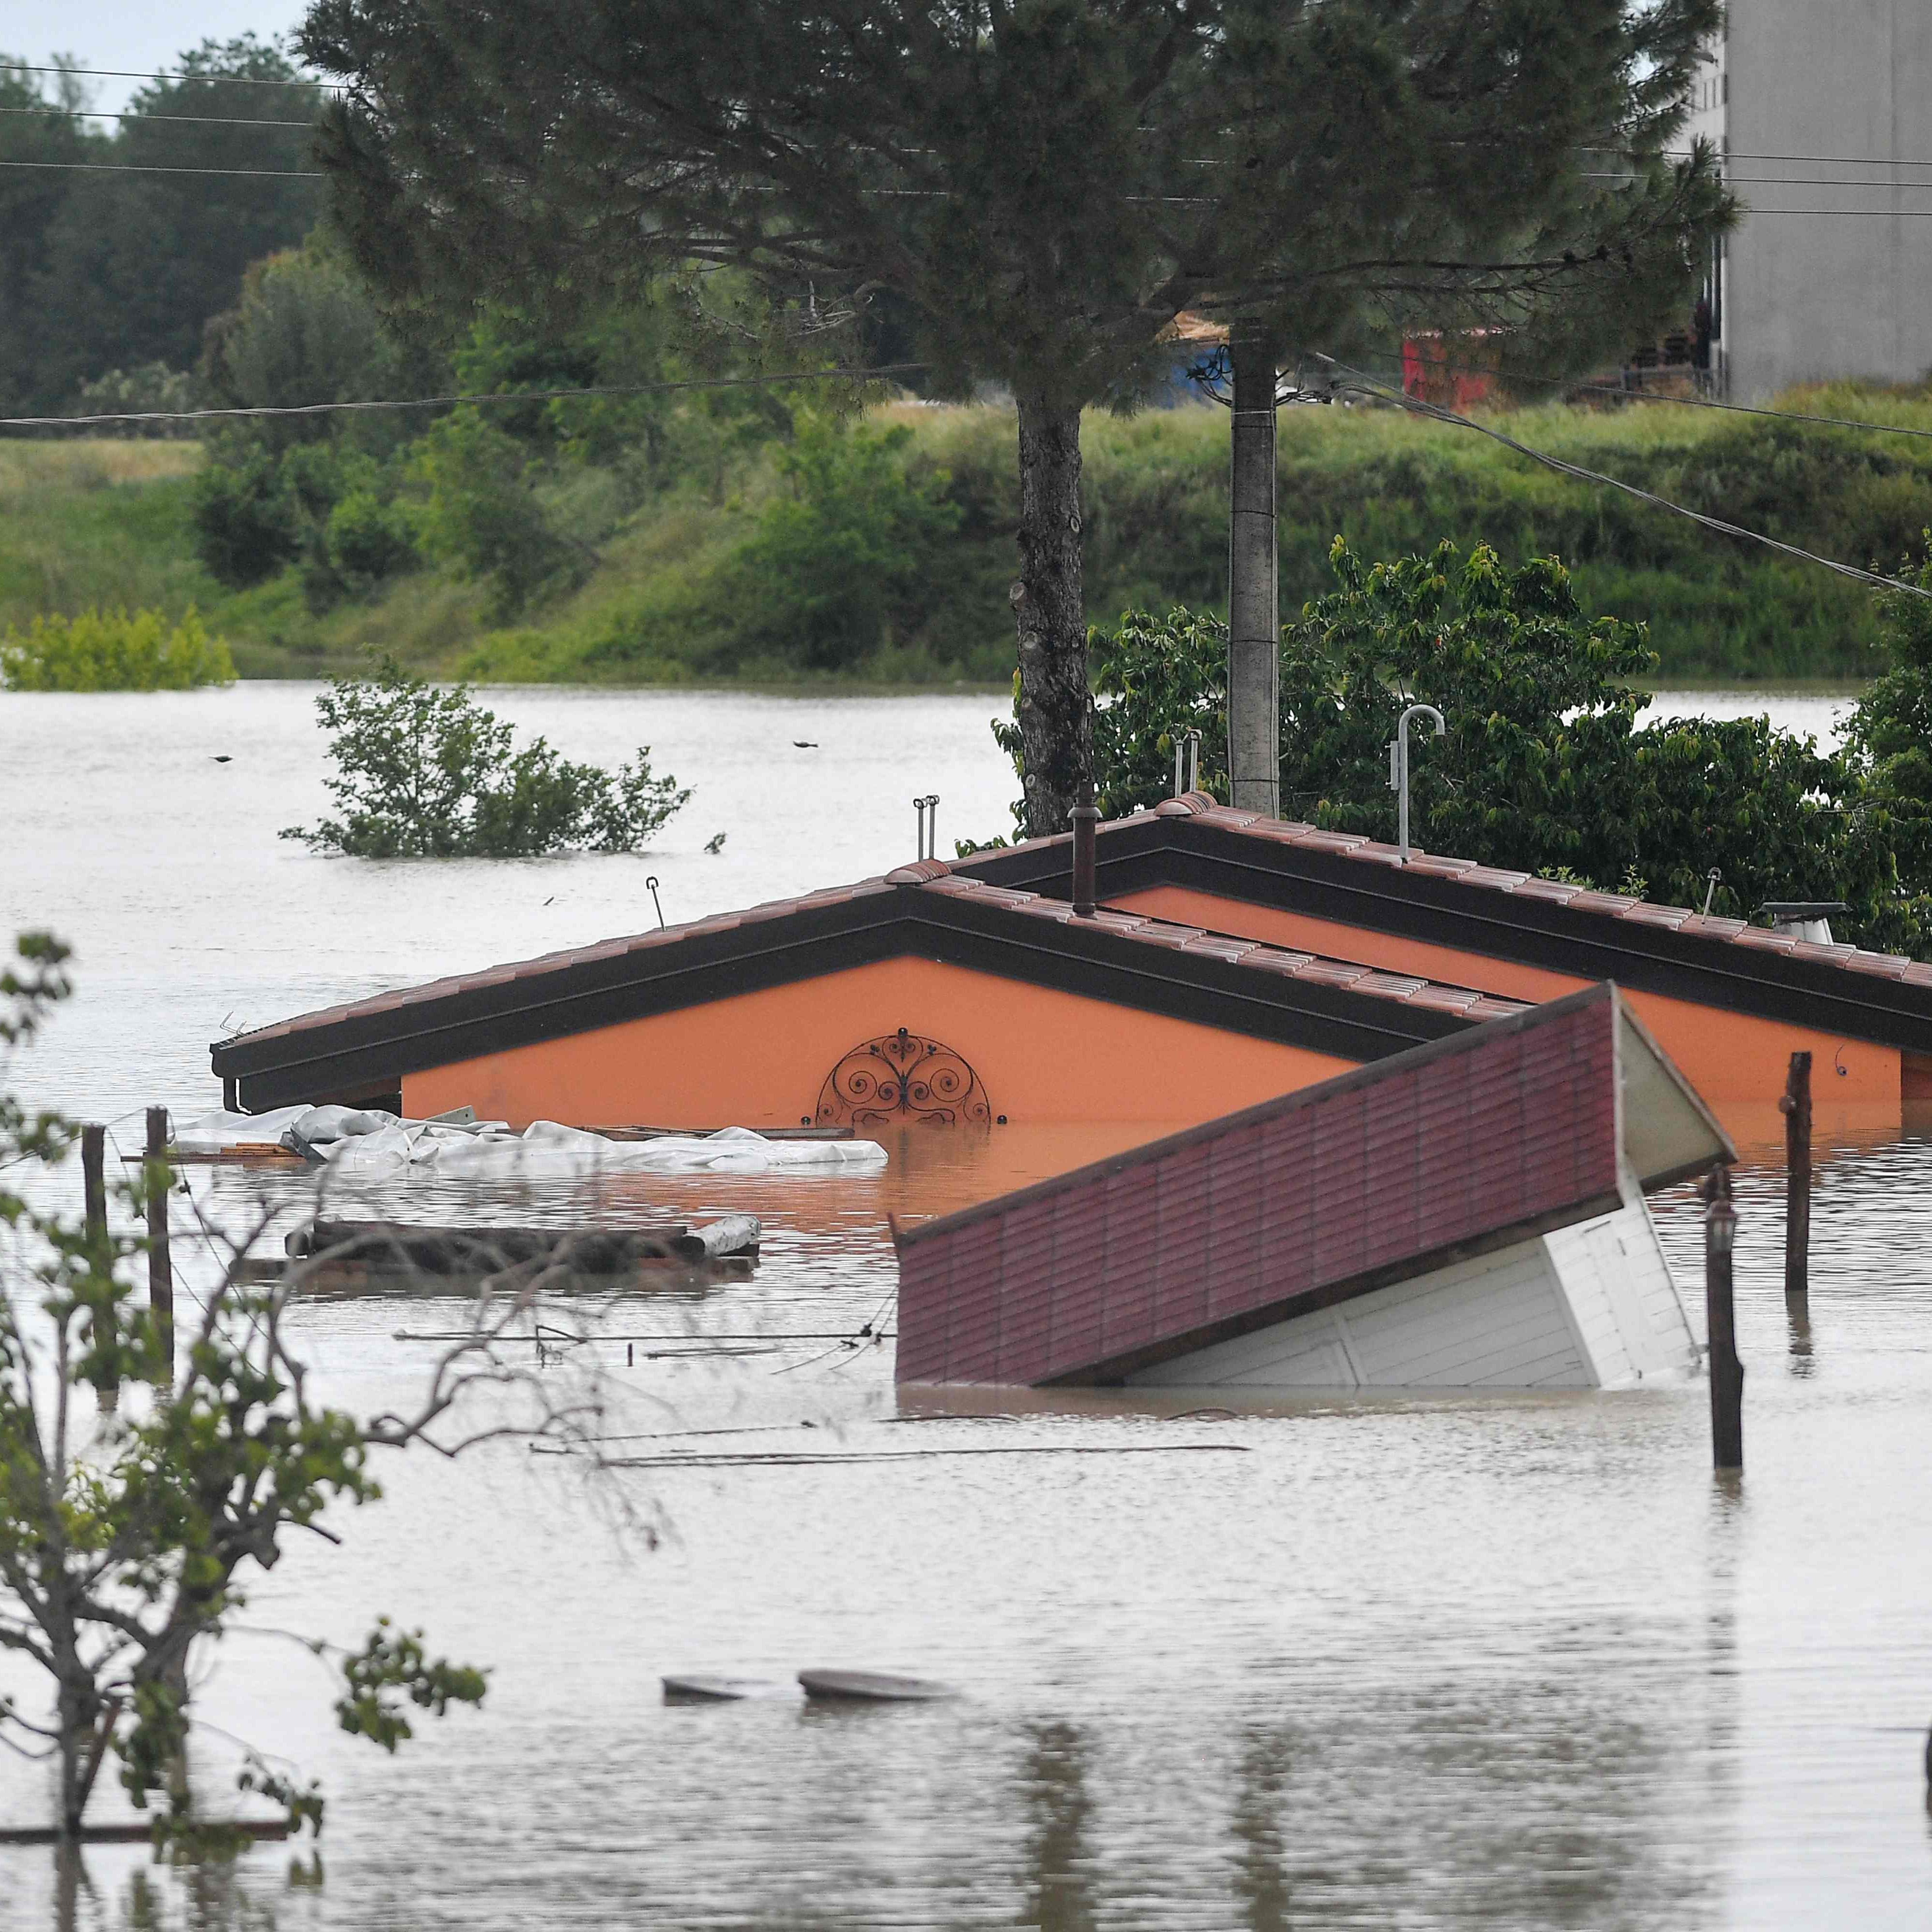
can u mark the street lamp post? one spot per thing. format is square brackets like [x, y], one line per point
[1399, 769]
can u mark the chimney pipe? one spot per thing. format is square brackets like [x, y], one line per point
[1085, 816]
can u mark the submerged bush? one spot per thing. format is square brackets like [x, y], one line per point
[424, 773]
[109, 650]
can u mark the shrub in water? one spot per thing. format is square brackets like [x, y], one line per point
[109, 650]
[425, 773]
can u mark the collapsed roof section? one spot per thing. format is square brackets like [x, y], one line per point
[1471, 1145]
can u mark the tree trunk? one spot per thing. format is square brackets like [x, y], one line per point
[1254, 589]
[1049, 609]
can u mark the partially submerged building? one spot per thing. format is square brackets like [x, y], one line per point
[1730, 1001]
[928, 995]
[1468, 1214]
[1230, 959]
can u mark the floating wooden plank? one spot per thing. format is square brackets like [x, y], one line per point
[418, 1248]
[873, 1686]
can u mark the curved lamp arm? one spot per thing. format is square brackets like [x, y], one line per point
[1399, 769]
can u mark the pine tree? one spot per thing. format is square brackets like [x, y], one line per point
[1037, 186]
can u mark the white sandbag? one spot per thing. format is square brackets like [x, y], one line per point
[366, 1141]
[213, 1132]
[321, 1125]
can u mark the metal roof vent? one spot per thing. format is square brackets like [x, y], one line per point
[1803, 919]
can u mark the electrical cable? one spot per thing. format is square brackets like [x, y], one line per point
[178, 120]
[449, 402]
[122, 74]
[1368, 385]
[147, 168]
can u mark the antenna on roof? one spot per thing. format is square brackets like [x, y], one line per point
[652, 883]
[1399, 769]
[929, 828]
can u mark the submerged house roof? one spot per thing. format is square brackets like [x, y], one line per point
[926, 910]
[1194, 843]
[1333, 1192]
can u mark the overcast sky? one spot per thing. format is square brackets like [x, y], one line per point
[133, 34]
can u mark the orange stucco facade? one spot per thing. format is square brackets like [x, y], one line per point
[759, 1059]
[1728, 1057]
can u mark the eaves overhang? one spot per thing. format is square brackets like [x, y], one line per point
[1233, 985]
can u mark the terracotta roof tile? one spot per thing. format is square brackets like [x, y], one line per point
[1880, 965]
[1560, 892]
[1764, 940]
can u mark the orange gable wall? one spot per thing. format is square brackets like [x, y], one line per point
[1726, 1056]
[758, 1060]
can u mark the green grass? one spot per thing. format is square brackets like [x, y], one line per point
[108, 524]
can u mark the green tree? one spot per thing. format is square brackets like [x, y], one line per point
[479, 511]
[144, 1494]
[38, 124]
[304, 332]
[837, 557]
[424, 773]
[1033, 188]
[137, 263]
[1545, 768]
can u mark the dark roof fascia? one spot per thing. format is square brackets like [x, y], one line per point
[1153, 849]
[1368, 1074]
[365, 1051]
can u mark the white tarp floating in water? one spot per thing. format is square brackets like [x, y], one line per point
[369, 1141]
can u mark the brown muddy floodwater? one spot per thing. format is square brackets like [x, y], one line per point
[1505, 1663]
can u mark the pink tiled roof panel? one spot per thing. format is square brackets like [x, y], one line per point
[1348, 1182]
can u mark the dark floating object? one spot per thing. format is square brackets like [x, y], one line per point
[874, 1687]
[806, 744]
[222, 757]
[698, 1689]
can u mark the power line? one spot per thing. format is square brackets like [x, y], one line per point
[150, 168]
[1369, 386]
[182, 120]
[120, 73]
[449, 402]
[1875, 214]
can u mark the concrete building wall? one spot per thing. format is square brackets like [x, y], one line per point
[1845, 291]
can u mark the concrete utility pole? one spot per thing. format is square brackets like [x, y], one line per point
[1254, 583]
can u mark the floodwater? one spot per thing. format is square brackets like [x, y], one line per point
[1505, 1663]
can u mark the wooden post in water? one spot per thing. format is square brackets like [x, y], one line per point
[1727, 1372]
[1795, 1106]
[160, 1264]
[94, 1194]
[93, 1180]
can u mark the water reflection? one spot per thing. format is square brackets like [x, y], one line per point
[1053, 1786]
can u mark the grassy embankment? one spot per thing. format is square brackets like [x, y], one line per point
[108, 523]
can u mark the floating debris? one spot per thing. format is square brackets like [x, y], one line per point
[873, 1686]
[704, 1689]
